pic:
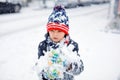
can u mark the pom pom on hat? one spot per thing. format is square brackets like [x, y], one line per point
[58, 20]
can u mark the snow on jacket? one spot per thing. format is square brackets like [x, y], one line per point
[47, 44]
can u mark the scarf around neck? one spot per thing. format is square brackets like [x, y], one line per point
[54, 45]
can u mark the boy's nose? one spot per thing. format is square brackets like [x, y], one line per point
[55, 34]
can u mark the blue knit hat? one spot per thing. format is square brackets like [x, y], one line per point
[58, 20]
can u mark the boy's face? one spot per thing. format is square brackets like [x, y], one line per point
[56, 35]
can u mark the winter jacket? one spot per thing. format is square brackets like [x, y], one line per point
[45, 46]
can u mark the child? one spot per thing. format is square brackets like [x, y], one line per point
[58, 57]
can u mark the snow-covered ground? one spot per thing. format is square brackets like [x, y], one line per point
[21, 33]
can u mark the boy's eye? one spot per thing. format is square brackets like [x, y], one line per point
[59, 31]
[55, 31]
[52, 31]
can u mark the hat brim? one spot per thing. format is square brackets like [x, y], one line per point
[57, 26]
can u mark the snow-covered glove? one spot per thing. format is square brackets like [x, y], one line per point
[73, 60]
[51, 64]
[69, 54]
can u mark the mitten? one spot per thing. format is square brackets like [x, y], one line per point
[55, 64]
[69, 54]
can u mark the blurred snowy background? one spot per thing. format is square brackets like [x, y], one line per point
[99, 47]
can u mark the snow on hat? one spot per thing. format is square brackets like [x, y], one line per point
[58, 20]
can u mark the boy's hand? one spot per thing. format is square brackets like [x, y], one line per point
[71, 57]
[69, 54]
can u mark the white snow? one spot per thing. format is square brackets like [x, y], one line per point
[21, 33]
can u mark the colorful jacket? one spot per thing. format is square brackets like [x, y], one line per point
[45, 46]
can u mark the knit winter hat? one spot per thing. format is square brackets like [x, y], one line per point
[58, 20]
